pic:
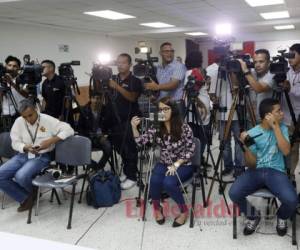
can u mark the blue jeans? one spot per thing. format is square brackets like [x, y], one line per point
[227, 153]
[160, 182]
[17, 173]
[275, 181]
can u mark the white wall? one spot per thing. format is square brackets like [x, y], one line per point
[42, 43]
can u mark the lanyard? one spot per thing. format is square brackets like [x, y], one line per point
[33, 137]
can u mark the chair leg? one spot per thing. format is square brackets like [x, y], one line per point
[3, 201]
[52, 195]
[83, 184]
[29, 214]
[56, 196]
[71, 207]
[192, 215]
[294, 240]
[234, 225]
[203, 191]
[37, 202]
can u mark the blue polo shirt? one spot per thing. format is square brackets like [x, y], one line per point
[173, 70]
[268, 155]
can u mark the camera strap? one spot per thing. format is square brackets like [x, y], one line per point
[33, 137]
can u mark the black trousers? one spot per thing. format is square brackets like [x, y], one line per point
[122, 139]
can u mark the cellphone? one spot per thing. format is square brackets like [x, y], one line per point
[36, 147]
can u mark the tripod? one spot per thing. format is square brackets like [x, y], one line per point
[239, 92]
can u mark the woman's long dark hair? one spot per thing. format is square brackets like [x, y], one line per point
[175, 122]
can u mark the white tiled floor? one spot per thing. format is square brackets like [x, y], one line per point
[120, 227]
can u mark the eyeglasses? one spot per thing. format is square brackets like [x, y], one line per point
[164, 109]
[168, 51]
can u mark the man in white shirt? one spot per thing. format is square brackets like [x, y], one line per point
[33, 136]
[293, 77]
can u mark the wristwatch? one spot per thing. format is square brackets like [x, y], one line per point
[176, 164]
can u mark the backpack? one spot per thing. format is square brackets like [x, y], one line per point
[104, 189]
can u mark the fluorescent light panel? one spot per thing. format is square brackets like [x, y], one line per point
[109, 14]
[275, 15]
[284, 27]
[8, 1]
[257, 3]
[196, 34]
[157, 25]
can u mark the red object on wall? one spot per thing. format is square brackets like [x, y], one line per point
[249, 48]
[211, 57]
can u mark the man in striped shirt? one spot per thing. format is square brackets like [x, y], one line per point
[170, 74]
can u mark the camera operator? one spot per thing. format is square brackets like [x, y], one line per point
[260, 79]
[221, 95]
[90, 124]
[53, 90]
[170, 74]
[118, 113]
[293, 86]
[9, 112]
[193, 62]
[265, 159]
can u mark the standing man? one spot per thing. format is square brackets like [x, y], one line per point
[33, 136]
[121, 107]
[170, 74]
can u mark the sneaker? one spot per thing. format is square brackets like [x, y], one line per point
[128, 184]
[251, 226]
[123, 178]
[226, 171]
[281, 227]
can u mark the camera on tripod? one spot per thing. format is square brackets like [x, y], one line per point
[30, 76]
[101, 75]
[234, 66]
[66, 71]
[193, 85]
[144, 69]
[3, 84]
[279, 65]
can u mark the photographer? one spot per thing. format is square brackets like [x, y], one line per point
[293, 87]
[90, 124]
[221, 95]
[170, 74]
[177, 147]
[260, 79]
[33, 136]
[9, 111]
[193, 62]
[53, 90]
[265, 159]
[118, 113]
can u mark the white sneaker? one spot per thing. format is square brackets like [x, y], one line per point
[123, 178]
[128, 184]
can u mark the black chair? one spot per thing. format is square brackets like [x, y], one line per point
[75, 151]
[6, 151]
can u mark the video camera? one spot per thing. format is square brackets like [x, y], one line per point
[144, 69]
[30, 76]
[193, 86]
[101, 75]
[66, 72]
[279, 65]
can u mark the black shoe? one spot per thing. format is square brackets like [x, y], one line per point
[227, 171]
[238, 172]
[281, 227]
[161, 221]
[251, 226]
[176, 224]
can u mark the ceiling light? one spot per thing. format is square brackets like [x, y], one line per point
[157, 25]
[275, 15]
[223, 29]
[7, 1]
[104, 58]
[257, 3]
[109, 14]
[196, 34]
[284, 27]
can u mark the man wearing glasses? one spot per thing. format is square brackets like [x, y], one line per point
[170, 74]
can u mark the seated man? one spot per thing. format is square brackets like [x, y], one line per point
[33, 136]
[89, 125]
[265, 159]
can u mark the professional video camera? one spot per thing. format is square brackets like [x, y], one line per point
[193, 85]
[66, 72]
[30, 76]
[279, 65]
[145, 69]
[100, 77]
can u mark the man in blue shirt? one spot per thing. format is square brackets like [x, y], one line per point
[266, 168]
[170, 74]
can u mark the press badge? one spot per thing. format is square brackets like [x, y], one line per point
[31, 155]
